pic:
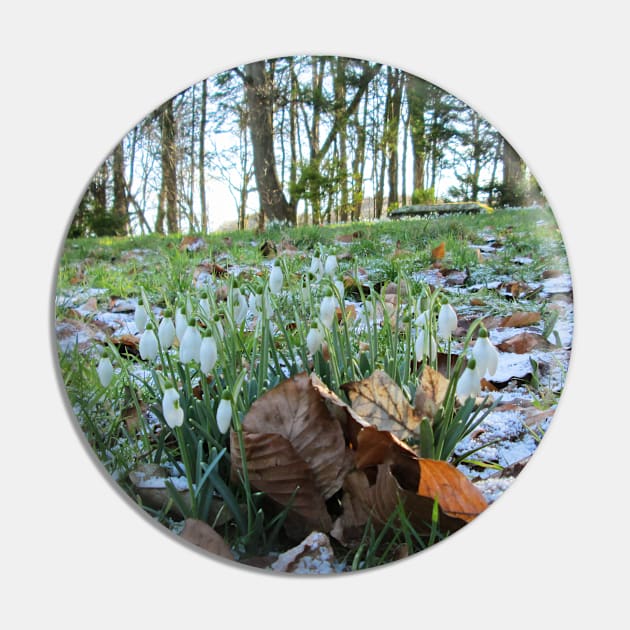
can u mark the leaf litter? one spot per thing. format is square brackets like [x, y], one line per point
[502, 443]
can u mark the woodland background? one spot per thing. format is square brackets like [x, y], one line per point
[300, 139]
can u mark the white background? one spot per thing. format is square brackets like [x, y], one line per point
[553, 551]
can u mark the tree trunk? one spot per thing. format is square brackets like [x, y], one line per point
[121, 203]
[513, 188]
[393, 122]
[167, 205]
[202, 159]
[417, 99]
[259, 96]
[342, 131]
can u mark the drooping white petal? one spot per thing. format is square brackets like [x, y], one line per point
[275, 280]
[204, 307]
[468, 384]
[105, 371]
[327, 310]
[190, 345]
[314, 340]
[330, 266]
[148, 345]
[240, 306]
[166, 332]
[224, 415]
[207, 354]
[171, 409]
[425, 346]
[317, 268]
[486, 356]
[181, 323]
[140, 318]
[447, 321]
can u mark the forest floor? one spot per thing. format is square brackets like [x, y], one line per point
[507, 269]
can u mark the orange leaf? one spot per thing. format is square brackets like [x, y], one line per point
[430, 392]
[524, 342]
[201, 534]
[519, 319]
[437, 253]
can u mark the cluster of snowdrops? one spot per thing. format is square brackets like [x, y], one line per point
[258, 332]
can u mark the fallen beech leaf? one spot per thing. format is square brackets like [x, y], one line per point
[201, 534]
[477, 302]
[380, 401]
[518, 319]
[294, 445]
[127, 344]
[524, 342]
[210, 269]
[314, 555]
[430, 392]
[268, 248]
[437, 253]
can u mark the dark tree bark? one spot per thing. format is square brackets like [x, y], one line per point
[167, 203]
[259, 96]
[340, 105]
[121, 203]
[202, 159]
[513, 187]
[417, 100]
[394, 93]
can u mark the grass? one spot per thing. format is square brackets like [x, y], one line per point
[152, 269]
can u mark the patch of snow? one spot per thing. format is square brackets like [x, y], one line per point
[493, 487]
[560, 284]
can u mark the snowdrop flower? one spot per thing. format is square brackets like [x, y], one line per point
[422, 319]
[181, 323]
[469, 383]
[204, 305]
[341, 289]
[317, 268]
[140, 318]
[330, 266]
[207, 353]
[327, 309]
[276, 278]
[485, 354]
[239, 306]
[190, 344]
[171, 409]
[105, 370]
[166, 330]
[148, 343]
[224, 412]
[314, 339]
[447, 321]
[425, 346]
[218, 326]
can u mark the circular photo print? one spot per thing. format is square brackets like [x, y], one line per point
[313, 315]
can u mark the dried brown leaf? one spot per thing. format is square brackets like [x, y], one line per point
[293, 444]
[201, 534]
[524, 342]
[382, 403]
[519, 319]
[430, 392]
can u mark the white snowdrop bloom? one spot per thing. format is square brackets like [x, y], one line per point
[327, 309]
[425, 346]
[207, 354]
[204, 305]
[166, 331]
[330, 266]
[171, 408]
[306, 292]
[105, 371]
[317, 268]
[469, 383]
[239, 305]
[181, 323]
[224, 412]
[190, 344]
[148, 345]
[314, 339]
[341, 289]
[422, 319]
[218, 326]
[447, 321]
[485, 354]
[140, 318]
[276, 278]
